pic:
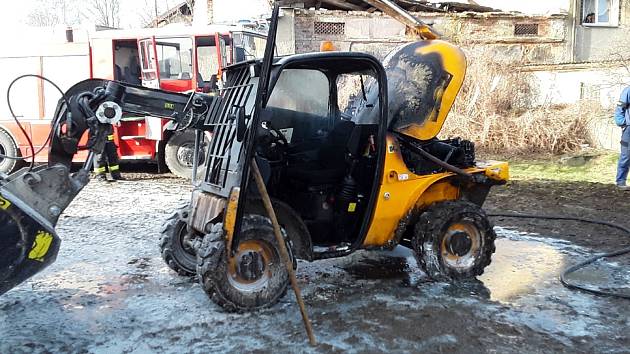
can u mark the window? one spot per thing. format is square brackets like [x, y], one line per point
[600, 12]
[248, 47]
[526, 29]
[292, 92]
[174, 58]
[355, 93]
[207, 62]
[329, 28]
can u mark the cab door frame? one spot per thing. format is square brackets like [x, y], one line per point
[144, 46]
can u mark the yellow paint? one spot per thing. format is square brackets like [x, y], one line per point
[396, 196]
[4, 204]
[352, 207]
[41, 245]
[229, 221]
[454, 62]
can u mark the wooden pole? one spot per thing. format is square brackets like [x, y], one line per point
[283, 249]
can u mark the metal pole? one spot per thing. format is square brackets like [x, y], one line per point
[283, 249]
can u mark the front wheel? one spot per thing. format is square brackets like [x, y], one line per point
[453, 240]
[176, 243]
[254, 278]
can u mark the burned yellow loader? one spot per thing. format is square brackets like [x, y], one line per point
[349, 153]
[347, 147]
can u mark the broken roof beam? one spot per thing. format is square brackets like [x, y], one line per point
[390, 8]
[345, 5]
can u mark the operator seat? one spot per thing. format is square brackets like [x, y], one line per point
[331, 164]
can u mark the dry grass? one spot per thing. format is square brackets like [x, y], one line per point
[493, 110]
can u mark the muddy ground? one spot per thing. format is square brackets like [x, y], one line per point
[109, 291]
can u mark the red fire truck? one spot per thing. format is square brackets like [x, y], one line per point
[177, 59]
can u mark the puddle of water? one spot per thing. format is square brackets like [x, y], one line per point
[521, 268]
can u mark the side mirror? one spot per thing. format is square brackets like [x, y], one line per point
[241, 127]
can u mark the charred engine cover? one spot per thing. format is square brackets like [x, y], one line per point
[423, 79]
[27, 245]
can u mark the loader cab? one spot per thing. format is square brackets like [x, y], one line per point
[319, 141]
[324, 115]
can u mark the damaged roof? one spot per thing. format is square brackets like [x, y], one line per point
[409, 5]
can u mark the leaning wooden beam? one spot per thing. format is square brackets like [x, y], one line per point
[288, 262]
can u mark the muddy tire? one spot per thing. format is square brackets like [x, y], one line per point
[257, 277]
[453, 240]
[179, 256]
[179, 152]
[8, 147]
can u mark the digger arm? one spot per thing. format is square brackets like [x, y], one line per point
[32, 199]
[418, 27]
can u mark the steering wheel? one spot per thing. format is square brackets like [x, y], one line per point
[278, 134]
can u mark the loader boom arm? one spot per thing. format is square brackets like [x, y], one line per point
[32, 199]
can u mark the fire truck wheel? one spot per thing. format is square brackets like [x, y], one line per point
[176, 244]
[179, 153]
[453, 240]
[8, 148]
[254, 278]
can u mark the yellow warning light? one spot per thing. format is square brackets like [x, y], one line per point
[327, 46]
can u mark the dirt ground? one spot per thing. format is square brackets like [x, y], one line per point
[110, 292]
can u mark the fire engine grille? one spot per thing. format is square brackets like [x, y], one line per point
[526, 29]
[222, 120]
[329, 28]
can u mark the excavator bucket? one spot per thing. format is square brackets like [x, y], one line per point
[27, 245]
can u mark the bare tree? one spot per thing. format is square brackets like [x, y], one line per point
[103, 12]
[47, 13]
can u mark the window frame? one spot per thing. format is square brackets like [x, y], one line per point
[613, 17]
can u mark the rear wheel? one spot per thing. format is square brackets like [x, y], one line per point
[179, 153]
[176, 243]
[454, 240]
[254, 278]
[8, 147]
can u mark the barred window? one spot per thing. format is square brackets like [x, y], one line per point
[329, 28]
[526, 29]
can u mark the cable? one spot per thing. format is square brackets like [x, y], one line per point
[19, 124]
[582, 264]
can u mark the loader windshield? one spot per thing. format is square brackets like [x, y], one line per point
[292, 93]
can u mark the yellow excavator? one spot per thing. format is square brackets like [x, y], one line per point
[345, 145]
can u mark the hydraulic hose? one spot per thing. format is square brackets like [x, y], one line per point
[580, 265]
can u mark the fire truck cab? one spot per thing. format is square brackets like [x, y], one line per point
[179, 59]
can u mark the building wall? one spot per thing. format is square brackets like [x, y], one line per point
[378, 34]
[603, 43]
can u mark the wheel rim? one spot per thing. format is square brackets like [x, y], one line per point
[3, 151]
[250, 268]
[186, 153]
[184, 244]
[461, 245]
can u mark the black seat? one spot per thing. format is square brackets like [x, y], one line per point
[330, 165]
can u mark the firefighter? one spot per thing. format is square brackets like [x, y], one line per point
[108, 160]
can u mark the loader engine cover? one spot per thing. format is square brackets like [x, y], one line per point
[423, 80]
[26, 245]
